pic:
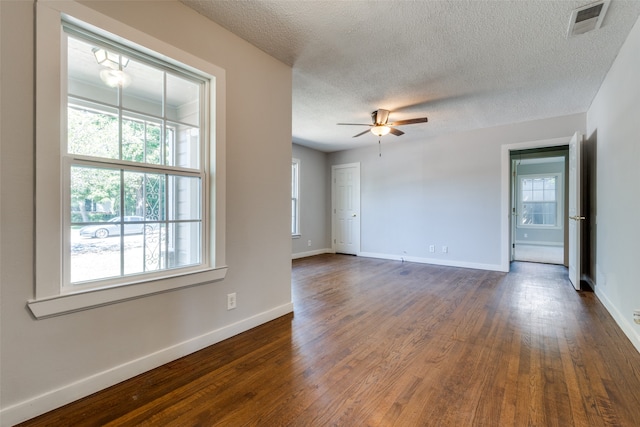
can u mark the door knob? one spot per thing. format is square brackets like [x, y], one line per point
[577, 218]
[354, 215]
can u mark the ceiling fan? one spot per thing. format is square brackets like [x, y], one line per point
[381, 126]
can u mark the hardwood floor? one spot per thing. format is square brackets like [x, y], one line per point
[383, 343]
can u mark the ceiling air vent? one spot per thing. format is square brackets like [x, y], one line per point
[587, 18]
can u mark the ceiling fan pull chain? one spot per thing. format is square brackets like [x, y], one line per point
[379, 148]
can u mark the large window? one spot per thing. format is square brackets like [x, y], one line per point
[128, 138]
[295, 197]
[133, 162]
[539, 200]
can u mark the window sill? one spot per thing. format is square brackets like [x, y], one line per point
[539, 227]
[296, 236]
[70, 303]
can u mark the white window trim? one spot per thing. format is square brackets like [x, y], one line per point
[50, 103]
[297, 234]
[559, 200]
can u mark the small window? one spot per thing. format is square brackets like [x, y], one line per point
[540, 197]
[295, 197]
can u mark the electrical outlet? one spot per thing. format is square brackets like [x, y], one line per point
[432, 248]
[445, 249]
[308, 242]
[636, 315]
[231, 301]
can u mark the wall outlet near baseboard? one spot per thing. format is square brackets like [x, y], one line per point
[309, 243]
[231, 301]
[432, 248]
[636, 315]
[445, 249]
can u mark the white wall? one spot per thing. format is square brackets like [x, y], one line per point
[46, 363]
[445, 191]
[315, 202]
[612, 121]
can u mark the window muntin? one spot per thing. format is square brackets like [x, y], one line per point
[539, 200]
[295, 197]
[133, 150]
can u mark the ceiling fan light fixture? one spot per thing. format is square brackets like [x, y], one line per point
[380, 130]
[381, 126]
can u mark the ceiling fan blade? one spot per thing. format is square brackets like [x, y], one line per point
[409, 121]
[396, 132]
[353, 124]
[360, 134]
[380, 117]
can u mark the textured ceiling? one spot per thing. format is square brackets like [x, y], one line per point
[463, 64]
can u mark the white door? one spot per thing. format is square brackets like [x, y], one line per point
[575, 216]
[345, 191]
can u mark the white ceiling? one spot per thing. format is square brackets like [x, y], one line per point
[463, 64]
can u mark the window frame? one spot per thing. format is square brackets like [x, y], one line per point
[559, 200]
[51, 101]
[295, 196]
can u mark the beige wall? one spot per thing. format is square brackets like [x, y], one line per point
[46, 363]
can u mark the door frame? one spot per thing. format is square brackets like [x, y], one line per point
[333, 204]
[562, 194]
[505, 191]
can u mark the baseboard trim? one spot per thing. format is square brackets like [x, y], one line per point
[589, 281]
[71, 392]
[434, 261]
[312, 253]
[620, 319]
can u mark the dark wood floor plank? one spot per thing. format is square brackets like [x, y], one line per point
[384, 343]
